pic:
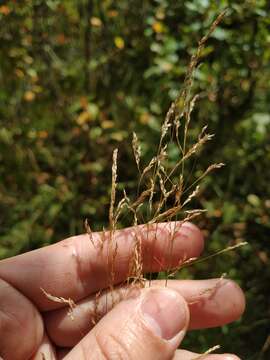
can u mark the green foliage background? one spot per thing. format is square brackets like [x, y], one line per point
[77, 77]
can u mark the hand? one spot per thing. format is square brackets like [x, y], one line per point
[149, 323]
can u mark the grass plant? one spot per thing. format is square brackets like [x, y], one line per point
[164, 193]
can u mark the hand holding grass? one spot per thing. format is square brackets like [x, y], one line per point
[135, 322]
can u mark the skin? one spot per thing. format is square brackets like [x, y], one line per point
[74, 268]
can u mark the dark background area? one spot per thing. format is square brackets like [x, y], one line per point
[77, 77]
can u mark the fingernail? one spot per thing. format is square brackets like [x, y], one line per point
[165, 313]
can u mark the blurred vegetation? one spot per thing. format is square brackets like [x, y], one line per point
[77, 77]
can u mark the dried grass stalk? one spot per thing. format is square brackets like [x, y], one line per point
[136, 150]
[135, 276]
[217, 253]
[192, 195]
[61, 300]
[208, 292]
[120, 208]
[145, 194]
[167, 214]
[113, 189]
[210, 351]
[89, 231]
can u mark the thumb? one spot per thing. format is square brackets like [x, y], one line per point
[148, 326]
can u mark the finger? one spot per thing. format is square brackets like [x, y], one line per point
[187, 355]
[211, 303]
[216, 302]
[45, 351]
[75, 268]
[148, 326]
[18, 317]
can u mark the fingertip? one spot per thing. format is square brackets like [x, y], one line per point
[238, 301]
[193, 232]
[213, 302]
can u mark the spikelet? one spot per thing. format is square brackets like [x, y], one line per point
[136, 150]
[113, 189]
[89, 231]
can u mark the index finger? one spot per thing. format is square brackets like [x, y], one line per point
[75, 268]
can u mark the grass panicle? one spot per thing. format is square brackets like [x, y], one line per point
[163, 192]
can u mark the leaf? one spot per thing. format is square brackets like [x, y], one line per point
[119, 42]
[5, 10]
[95, 21]
[83, 118]
[29, 96]
[158, 27]
[254, 200]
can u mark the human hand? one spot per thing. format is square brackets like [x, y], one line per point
[149, 323]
